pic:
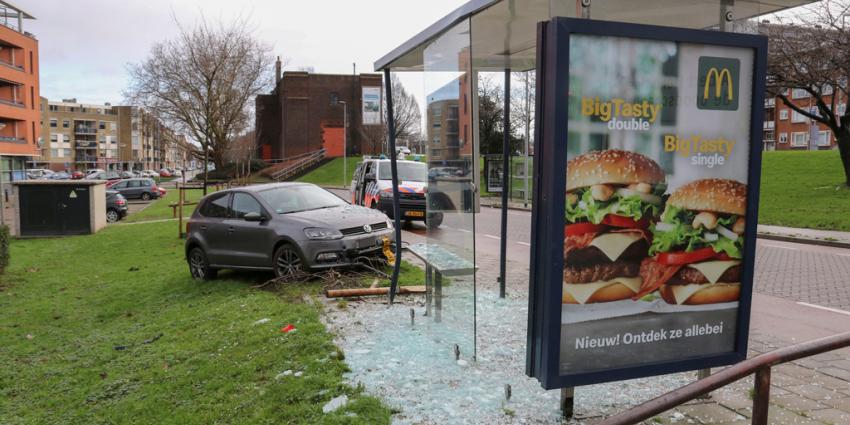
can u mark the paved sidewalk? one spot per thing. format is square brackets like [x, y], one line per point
[818, 237]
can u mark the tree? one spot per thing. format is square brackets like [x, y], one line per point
[408, 118]
[491, 121]
[202, 83]
[811, 52]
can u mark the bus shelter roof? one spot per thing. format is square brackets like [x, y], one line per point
[503, 32]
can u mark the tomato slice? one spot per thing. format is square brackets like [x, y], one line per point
[581, 228]
[676, 258]
[627, 222]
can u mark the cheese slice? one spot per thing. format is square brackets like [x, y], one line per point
[583, 291]
[614, 244]
[712, 270]
[682, 292]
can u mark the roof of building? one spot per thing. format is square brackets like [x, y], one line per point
[9, 5]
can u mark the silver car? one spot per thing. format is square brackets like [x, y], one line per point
[286, 228]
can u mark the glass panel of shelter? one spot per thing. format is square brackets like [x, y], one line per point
[449, 245]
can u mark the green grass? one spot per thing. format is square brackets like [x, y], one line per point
[331, 173]
[804, 189]
[75, 315]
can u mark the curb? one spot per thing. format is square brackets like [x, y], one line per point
[807, 241]
[497, 206]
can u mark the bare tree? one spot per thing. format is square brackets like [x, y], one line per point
[811, 51]
[408, 119]
[202, 82]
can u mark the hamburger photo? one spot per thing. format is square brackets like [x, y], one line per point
[612, 197]
[697, 245]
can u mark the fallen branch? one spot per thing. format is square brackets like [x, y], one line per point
[359, 292]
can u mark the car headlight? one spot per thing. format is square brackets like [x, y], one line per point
[389, 224]
[320, 233]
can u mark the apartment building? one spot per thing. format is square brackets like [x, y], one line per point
[19, 94]
[80, 136]
[787, 129]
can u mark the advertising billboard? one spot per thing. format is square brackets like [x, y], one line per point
[495, 174]
[644, 239]
[371, 105]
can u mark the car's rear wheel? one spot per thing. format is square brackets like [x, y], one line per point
[434, 220]
[146, 196]
[199, 266]
[287, 262]
[112, 216]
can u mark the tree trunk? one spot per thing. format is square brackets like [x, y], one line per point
[843, 139]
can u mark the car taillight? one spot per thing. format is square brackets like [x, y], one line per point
[120, 202]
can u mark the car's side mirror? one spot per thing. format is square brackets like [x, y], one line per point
[370, 176]
[254, 216]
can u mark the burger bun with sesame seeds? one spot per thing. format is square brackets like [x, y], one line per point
[613, 166]
[716, 195]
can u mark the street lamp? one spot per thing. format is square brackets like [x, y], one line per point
[335, 101]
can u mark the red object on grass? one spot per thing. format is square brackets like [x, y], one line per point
[288, 328]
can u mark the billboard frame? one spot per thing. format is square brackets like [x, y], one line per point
[543, 348]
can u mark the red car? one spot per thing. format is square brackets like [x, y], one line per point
[77, 175]
[164, 173]
[161, 191]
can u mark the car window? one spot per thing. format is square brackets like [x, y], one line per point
[407, 171]
[133, 183]
[216, 206]
[298, 198]
[244, 203]
[120, 185]
[147, 182]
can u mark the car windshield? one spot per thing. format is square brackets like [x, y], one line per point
[407, 171]
[290, 199]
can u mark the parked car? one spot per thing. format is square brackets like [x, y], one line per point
[116, 206]
[128, 174]
[141, 188]
[62, 175]
[164, 173]
[162, 191]
[281, 227]
[77, 175]
[104, 175]
[94, 171]
[39, 173]
[177, 173]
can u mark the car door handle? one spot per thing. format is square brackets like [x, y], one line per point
[203, 227]
[230, 229]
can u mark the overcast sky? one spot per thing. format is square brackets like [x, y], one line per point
[85, 45]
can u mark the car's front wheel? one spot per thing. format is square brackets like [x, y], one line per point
[112, 216]
[199, 266]
[146, 196]
[287, 262]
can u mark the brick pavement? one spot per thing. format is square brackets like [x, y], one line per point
[816, 276]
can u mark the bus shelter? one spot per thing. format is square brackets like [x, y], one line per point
[487, 38]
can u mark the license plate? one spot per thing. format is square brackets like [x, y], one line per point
[414, 214]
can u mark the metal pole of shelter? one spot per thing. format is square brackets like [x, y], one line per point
[2, 195]
[506, 178]
[394, 169]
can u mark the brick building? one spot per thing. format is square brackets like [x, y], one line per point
[786, 129]
[299, 115]
[85, 136]
[19, 94]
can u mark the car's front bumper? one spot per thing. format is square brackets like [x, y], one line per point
[318, 254]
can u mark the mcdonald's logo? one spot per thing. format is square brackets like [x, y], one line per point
[717, 85]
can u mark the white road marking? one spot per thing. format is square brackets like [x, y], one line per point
[464, 230]
[781, 247]
[820, 307]
[843, 255]
[491, 237]
[524, 243]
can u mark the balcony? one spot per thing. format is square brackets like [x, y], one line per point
[12, 139]
[86, 144]
[769, 125]
[85, 130]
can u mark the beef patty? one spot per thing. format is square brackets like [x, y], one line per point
[593, 256]
[688, 276]
[599, 272]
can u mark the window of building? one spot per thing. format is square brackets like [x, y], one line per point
[823, 138]
[101, 125]
[113, 126]
[783, 137]
[53, 108]
[797, 117]
[826, 90]
[54, 137]
[54, 153]
[53, 122]
[799, 138]
[73, 109]
[65, 124]
[799, 94]
[783, 114]
[769, 136]
[842, 108]
[67, 152]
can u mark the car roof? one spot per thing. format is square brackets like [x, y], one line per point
[398, 160]
[261, 187]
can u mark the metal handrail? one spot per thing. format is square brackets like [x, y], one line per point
[760, 365]
[298, 166]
